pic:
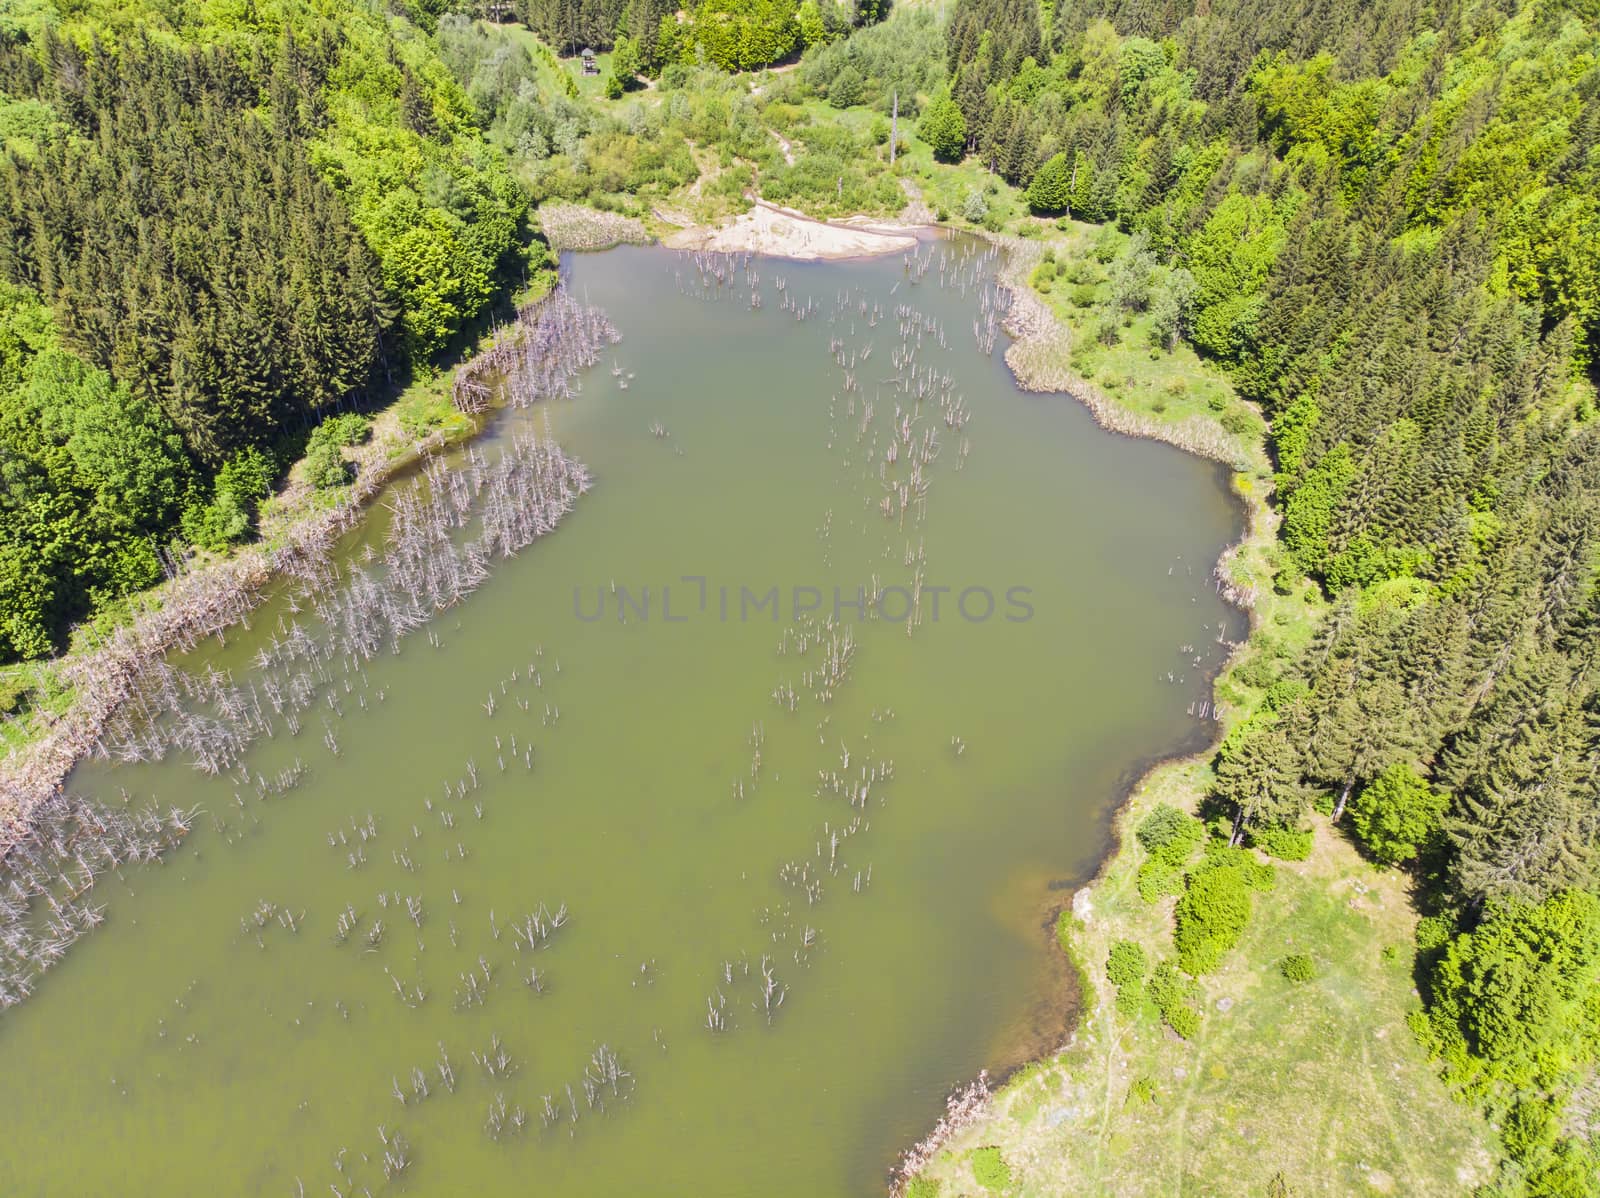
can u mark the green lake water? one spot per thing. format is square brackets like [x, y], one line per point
[679, 809]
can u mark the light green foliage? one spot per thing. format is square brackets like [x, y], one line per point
[1138, 59]
[1174, 997]
[975, 208]
[847, 88]
[1169, 835]
[1514, 1013]
[1286, 844]
[1050, 191]
[1158, 880]
[324, 463]
[1397, 814]
[736, 35]
[922, 1187]
[1297, 967]
[1515, 1003]
[1133, 274]
[1230, 258]
[1126, 964]
[241, 485]
[89, 475]
[945, 129]
[1172, 307]
[991, 1170]
[1214, 908]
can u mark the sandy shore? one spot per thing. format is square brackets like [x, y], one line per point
[785, 233]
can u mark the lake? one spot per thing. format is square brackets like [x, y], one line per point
[697, 873]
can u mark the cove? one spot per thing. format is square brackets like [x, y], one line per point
[722, 903]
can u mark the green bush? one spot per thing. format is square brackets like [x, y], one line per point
[1174, 996]
[1297, 967]
[1286, 844]
[1143, 1090]
[1050, 191]
[14, 696]
[1434, 932]
[325, 464]
[1158, 880]
[241, 486]
[922, 1187]
[1083, 295]
[945, 129]
[1169, 835]
[1214, 908]
[991, 1170]
[1126, 964]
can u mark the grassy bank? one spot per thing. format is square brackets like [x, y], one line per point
[1284, 1087]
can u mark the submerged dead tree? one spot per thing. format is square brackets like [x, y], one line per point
[537, 356]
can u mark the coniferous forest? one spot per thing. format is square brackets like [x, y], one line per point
[1381, 219]
[1384, 220]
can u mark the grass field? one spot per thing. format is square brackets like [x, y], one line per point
[1316, 1083]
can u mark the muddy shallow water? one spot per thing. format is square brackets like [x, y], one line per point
[779, 872]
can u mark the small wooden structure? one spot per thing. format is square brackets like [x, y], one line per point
[590, 66]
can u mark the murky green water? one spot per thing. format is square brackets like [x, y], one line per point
[677, 806]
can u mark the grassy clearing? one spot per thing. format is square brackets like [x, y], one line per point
[1317, 1082]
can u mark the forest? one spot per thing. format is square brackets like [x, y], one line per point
[1383, 227]
[1379, 219]
[213, 235]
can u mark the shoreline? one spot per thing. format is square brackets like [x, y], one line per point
[178, 614]
[778, 232]
[218, 593]
[1038, 337]
[223, 592]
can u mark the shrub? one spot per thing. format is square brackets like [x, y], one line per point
[1143, 1090]
[975, 208]
[1286, 844]
[1511, 1004]
[1169, 835]
[1158, 880]
[846, 88]
[325, 464]
[1051, 188]
[1126, 964]
[990, 1168]
[922, 1187]
[1297, 967]
[241, 485]
[1083, 295]
[1174, 996]
[14, 696]
[945, 129]
[1215, 907]
[1434, 932]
